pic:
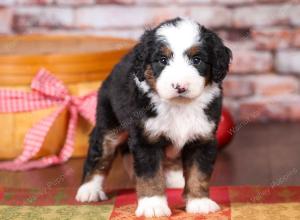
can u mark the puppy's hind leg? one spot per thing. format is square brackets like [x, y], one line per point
[102, 150]
[97, 166]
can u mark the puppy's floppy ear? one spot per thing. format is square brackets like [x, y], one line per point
[142, 53]
[220, 55]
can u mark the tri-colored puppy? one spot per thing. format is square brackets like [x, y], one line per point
[161, 104]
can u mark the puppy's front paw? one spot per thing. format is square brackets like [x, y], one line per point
[155, 206]
[91, 191]
[203, 205]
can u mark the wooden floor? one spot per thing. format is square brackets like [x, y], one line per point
[260, 154]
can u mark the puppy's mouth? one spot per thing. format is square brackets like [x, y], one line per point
[181, 99]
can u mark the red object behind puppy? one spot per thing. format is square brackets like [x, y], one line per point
[225, 130]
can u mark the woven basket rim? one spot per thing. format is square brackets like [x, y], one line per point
[20, 68]
[128, 43]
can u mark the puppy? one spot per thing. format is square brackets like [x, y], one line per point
[161, 104]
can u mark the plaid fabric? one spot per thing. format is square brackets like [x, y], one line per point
[47, 91]
[238, 203]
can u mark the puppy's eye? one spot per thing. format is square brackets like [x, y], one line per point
[196, 60]
[163, 60]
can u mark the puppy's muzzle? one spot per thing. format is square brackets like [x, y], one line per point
[180, 89]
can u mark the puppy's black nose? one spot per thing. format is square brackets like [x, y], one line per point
[180, 89]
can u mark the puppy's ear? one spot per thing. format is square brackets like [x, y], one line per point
[220, 55]
[142, 54]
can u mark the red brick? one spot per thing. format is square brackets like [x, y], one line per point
[274, 1]
[296, 38]
[287, 61]
[52, 17]
[261, 15]
[253, 109]
[274, 38]
[7, 2]
[284, 108]
[210, 16]
[101, 16]
[272, 85]
[232, 105]
[293, 109]
[263, 85]
[163, 14]
[233, 2]
[127, 2]
[294, 14]
[5, 20]
[122, 2]
[116, 16]
[236, 86]
[251, 61]
[154, 2]
[240, 45]
[187, 2]
[247, 2]
[74, 2]
[35, 2]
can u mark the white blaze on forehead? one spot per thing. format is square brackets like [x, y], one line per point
[181, 36]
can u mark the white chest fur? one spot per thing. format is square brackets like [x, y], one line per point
[182, 122]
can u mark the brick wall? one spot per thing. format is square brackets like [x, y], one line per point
[264, 35]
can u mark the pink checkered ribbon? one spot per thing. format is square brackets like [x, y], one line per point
[47, 91]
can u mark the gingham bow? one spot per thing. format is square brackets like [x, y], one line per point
[47, 91]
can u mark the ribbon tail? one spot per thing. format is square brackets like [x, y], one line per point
[68, 148]
[40, 163]
[32, 144]
[87, 107]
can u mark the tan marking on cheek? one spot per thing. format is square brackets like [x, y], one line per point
[208, 77]
[150, 77]
[197, 183]
[151, 186]
[208, 80]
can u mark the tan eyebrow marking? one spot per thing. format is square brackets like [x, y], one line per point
[192, 51]
[166, 51]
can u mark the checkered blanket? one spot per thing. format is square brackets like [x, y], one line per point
[238, 203]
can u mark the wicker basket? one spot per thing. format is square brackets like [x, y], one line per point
[80, 62]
